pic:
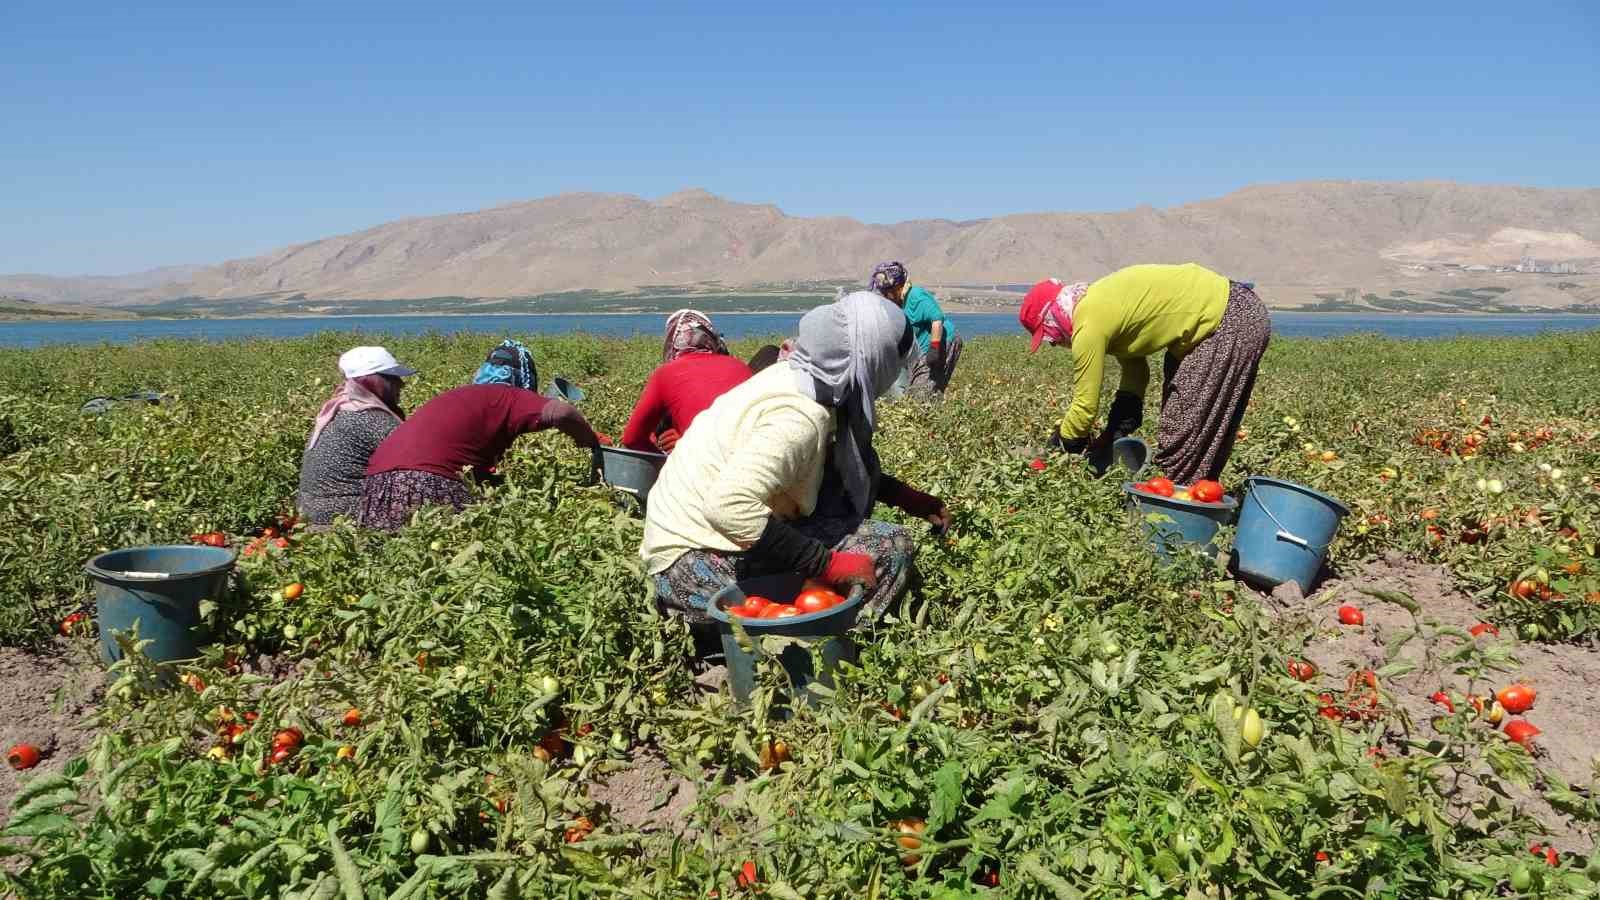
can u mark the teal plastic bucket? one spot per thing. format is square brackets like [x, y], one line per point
[820, 638]
[1284, 532]
[631, 471]
[160, 588]
[1171, 525]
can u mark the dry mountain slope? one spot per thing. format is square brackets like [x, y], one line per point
[1311, 233]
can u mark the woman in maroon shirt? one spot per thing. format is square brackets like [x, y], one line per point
[695, 370]
[421, 462]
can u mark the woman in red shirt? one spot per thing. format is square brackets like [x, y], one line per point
[695, 370]
[421, 462]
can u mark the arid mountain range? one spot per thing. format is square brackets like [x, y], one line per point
[1299, 241]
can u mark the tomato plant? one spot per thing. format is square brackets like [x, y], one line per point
[1053, 704]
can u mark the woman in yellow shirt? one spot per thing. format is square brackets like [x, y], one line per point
[1213, 331]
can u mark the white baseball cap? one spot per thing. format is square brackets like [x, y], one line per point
[372, 361]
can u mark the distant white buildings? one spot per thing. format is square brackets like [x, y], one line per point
[1529, 264]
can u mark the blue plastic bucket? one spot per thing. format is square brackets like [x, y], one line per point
[820, 638]
[631, 471]
[1284, 532]
[160, 588]
[1171, 525]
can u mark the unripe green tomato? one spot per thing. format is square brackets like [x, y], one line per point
[1521, 878]
[619, 741]
[289, 632]
[436, 546]
[419, 841]
[919, 692]
[1111, 648]
[550, 684]
[1530, 632]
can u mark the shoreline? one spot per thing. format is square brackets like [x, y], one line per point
[951, 308]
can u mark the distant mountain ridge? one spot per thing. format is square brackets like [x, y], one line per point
[1309, 235]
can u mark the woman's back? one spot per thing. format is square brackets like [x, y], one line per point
[332, 470]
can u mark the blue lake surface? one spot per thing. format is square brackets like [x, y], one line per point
[735, 325]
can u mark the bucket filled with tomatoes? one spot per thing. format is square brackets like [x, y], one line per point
[1181, 517]
[811, 615]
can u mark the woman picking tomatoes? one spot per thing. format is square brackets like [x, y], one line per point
[779, 474]
[468, 427]
[363, 410]
[1213, 331]
[695, 370]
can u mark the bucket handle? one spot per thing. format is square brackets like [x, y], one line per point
[1284, 534]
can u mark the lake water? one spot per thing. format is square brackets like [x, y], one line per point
[735, 325]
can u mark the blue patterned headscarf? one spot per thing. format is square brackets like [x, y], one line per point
[510, 364]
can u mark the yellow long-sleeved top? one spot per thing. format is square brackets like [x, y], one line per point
[757, 451]
[1130, 314]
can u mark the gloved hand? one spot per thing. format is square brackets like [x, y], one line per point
[1074, 446]
[900, 495]
[597, 468]
[667, 439]
[850, 569]
[1099, 451]
[1125, 416]
[604, 439]
[935, 356]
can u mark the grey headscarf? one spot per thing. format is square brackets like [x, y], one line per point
[846, 356]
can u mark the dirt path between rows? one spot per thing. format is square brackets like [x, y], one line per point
[45, 700]
[1567, 677]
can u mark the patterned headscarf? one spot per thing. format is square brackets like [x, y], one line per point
[1057, 322]
[846, 356]
[511, 363]
[887, 277]
[691, 331]
[364, 392]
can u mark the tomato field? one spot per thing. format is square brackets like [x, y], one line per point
[486, 704]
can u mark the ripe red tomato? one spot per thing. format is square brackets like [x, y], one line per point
[786, 612]
[22, 756]
[1443, 699]
[1523, 589]
[1517, 698]
[1522, 731]
[352, 717]
[288, 737]
[1037, 464]
[747, 874]
[1301, 670]
[771, 612]
[70, 621]
[1479, 629]
[755, 603]
[1206, 491]
[1349, 615]
[1159, 486]
[816, 600]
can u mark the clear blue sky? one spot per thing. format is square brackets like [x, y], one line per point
[141, 135]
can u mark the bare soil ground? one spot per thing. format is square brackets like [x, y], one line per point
[646, 796]
[45, 699]
[1567, 677]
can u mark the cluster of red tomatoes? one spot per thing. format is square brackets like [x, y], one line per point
[1202, 491]
[814, 597]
